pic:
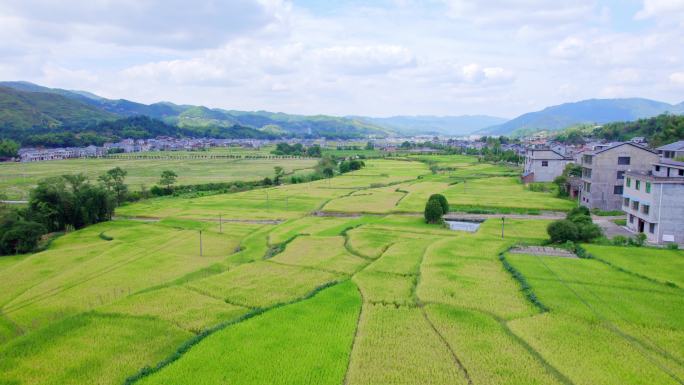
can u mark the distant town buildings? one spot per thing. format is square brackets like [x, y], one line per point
[654, 201]
[603, 173]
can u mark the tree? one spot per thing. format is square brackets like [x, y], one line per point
[433, 211]
[442, 202]
[279, 173]
[563, 231]
[314, 151]
[9, 148]
[328, 172]
[168, 177]
[370, 145]
[113, 181]
[20, 236]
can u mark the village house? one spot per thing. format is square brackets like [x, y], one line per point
[603, 173]
[653, 201]
[672, 150]
[543, 165]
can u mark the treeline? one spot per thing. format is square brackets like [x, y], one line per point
[659, 130]
[297, 149]
[135, 127]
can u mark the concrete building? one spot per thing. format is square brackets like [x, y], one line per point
[654, 201]
[603, 173]
[543, 165]
[672, 150]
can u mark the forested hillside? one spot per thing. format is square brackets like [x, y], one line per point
[659, 130]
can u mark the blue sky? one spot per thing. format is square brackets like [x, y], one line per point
[378, 58]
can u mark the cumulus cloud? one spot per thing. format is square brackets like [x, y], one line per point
[362, 60]
[174, 24]
[569, 48]
[521, 12]
[677, 78]
[656, 8]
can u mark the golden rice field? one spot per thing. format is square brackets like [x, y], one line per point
[340, 281]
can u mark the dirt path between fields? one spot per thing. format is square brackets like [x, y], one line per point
[224, 220]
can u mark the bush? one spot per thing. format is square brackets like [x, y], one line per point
[563, 231]
[639, 240]
[619, 240]
[673, 246]
[442, 202]
[433, 211]
[581, 210]
[589, 231]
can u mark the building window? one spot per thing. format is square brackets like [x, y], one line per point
[586, 172]
[657, 168]
[645, 208]
[648, 187]
[635, 205]
[624, 160]
[621, 175]
[587, 187]
[637, 184]
[617, 190]
[651, 228]
[629, 182]
[625, 202]
[631, 218]
[681, 172]
[545, 163]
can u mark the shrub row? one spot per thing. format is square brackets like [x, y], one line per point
[524, 286]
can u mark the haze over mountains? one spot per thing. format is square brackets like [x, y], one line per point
[26, 106]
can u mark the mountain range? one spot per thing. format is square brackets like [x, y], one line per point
[592, 111]
[26, 106]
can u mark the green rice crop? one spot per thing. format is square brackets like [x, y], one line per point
[304, 343]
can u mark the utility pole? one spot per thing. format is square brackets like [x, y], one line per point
[503, 221]
[220, 224]
[200, 235]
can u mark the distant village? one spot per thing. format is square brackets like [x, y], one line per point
[31, 154]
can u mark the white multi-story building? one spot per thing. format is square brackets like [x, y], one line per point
[654, 201]
[543, 165]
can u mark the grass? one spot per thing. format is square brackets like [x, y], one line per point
[323, 253]
[16, 179]
[304, 343]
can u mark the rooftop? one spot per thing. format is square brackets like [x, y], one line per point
[676, 146]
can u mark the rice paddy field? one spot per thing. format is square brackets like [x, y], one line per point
[16, 179]
[340, 281]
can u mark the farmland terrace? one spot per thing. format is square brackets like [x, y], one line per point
[338, 281]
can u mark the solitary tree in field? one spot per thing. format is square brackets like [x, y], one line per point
[279, 173]
[442, 202]
[433, 211]
[168, 178]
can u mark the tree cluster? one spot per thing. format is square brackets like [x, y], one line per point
[297, 149]
[576, 227]
[346, 166]
[659, 130]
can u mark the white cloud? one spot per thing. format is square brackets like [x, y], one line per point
[176, 24]
[363, 60]
[659, 8]
[677, 78]
[569, 48]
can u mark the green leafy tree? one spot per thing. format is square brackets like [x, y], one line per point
[114, 181]
[370, 146]
[18, 236]
[443, 202]
[433, 211]
[279, 173]
[9, 148]
[168, 178]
